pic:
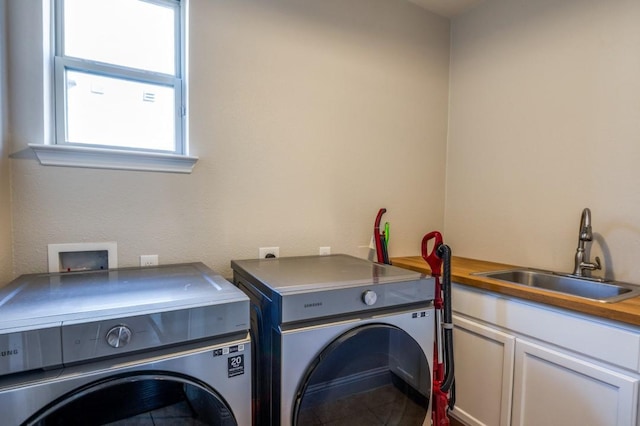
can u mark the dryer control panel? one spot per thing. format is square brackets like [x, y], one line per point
[369, 297]
[317, 304]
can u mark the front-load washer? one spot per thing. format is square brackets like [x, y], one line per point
[339, 340]
[157, 345]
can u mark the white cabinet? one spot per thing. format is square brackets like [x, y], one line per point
[521, 363]
[483, 395]
[553, 388]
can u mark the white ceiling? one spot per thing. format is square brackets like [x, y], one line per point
[448, 8]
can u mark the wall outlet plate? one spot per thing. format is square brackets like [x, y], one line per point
[265, 252]
[148, 260]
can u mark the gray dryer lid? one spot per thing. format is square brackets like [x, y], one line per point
[312, 287]
[288, 275]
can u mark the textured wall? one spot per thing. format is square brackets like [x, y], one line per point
[544, 121]
[6, 267]
[307, 117]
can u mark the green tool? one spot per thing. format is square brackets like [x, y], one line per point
[386, 233]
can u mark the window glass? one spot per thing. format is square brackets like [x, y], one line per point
[111, 111]
[139, 400]
[374, 375]
[130, 33]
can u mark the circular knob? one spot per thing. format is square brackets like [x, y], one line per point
[119, 336]
[369, 297]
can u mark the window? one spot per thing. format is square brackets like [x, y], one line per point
[119, 81]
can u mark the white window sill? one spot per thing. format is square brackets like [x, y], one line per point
[102, 158]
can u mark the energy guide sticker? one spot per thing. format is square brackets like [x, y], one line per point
[235, 365]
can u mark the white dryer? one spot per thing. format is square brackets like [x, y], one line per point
[339, 340]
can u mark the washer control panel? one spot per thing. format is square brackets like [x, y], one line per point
[30, 349]
[119, 336]
[89, 340]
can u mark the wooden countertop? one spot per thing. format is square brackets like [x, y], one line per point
[626, 311]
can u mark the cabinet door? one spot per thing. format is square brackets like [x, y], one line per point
[553, 388]
[484, 373]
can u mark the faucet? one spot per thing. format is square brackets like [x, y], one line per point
[582, 266]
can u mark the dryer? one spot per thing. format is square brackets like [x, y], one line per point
[339, 340]
[167, 344]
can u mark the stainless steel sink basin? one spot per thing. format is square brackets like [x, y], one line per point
[588, 288]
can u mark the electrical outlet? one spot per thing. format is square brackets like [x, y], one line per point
[325, 251]
[148, 260]
[268, 252]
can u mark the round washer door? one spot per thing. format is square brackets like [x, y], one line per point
[142, 398]
[375, 374]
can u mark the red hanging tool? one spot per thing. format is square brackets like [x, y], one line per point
[443, 395]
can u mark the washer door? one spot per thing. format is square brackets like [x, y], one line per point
[143, 398]
[375, 374]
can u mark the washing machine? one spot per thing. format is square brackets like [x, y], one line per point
[339, 340]
[156, 345]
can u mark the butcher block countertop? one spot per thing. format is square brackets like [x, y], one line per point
[626, 311]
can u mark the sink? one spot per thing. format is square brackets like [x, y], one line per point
[588, 288]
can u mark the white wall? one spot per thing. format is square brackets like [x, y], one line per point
[545, 120]
[308, 116]
[6, 267]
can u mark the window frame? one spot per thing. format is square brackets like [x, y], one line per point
[60, 152]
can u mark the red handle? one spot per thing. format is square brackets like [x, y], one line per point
[435, 262]
[377, 237]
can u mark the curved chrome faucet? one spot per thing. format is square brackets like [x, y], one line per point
[582, 266]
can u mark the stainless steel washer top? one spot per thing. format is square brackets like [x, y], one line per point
[34, 300]
[54, 319]
[308, 287]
